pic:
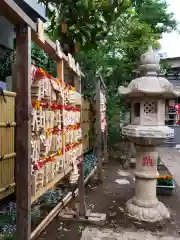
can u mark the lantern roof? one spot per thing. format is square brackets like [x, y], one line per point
[150, 84]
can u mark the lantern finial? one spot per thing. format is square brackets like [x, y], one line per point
[149, 63]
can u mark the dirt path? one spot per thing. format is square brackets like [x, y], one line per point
[111, 198]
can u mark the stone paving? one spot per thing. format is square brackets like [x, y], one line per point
[125, 234]
[171, 159]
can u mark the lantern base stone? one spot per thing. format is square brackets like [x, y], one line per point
[147, 214]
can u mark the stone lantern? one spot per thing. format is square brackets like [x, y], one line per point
[147, 95]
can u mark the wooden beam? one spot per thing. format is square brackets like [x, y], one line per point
[106, 144]
[10, 10]
[50, 48]
[14, 80]
[23, 132]
[81, 184]
[81, 187]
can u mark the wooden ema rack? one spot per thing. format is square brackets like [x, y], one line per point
[66, 103]
[56, 140]
[50, 185]
[26, 31]
[60, 118]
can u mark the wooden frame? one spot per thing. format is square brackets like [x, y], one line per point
[82, 213]
[100, 86]
[10, 10]
[26, 30]
[23, 131]
[81, 184]
[105, 134]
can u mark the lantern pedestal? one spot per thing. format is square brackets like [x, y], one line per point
[147, 214]
[145, 206]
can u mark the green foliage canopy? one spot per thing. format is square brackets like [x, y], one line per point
[87, 22]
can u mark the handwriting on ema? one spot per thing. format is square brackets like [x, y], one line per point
[147, 161]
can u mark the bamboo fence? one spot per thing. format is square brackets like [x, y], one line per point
[7, 154]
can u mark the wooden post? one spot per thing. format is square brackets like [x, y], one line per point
[14, 80]
[60, 75]
[105, 145]
[105, 136]
[23, 132]
[98, 130]
[60, 70]
[81, 185]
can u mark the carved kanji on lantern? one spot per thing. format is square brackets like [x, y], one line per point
[147, 161]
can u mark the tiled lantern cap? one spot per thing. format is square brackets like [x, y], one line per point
[150, 83]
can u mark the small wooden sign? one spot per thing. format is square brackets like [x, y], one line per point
[59, 49]
[78, 69]
[74, 65]
[71, 61]
[40, 29]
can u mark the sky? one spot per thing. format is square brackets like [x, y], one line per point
[170, 43]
